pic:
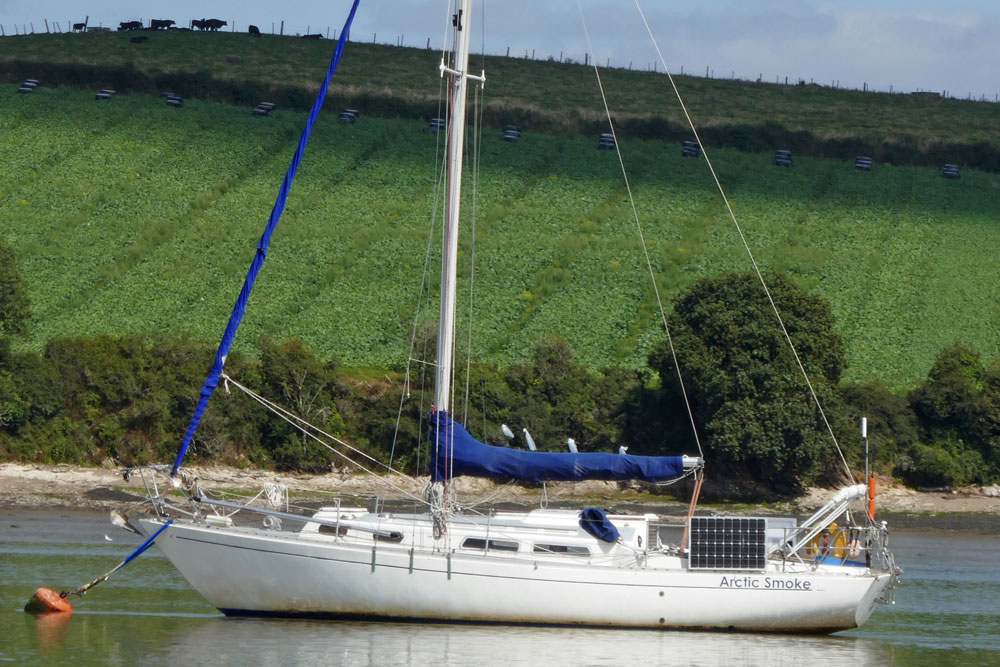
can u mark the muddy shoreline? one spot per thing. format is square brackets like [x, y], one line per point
[27, 486]
[66, 486]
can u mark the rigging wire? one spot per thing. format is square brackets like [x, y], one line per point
[477, 141]
[746, 245]
[439, 171]
[642, 238]
[310, 431]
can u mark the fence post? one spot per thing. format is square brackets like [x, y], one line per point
[46, 25]
[508, 48]
[282, 31]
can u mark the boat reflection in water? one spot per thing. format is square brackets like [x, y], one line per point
[299, 642]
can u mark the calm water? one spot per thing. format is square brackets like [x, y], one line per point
[948, 613]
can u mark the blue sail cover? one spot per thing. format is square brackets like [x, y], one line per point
[239, 308]
[455, 453]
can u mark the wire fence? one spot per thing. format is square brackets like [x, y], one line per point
[279, 28]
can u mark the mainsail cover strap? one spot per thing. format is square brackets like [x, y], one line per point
[258, 260]
[456, 453]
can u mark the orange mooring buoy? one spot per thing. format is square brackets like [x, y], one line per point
[47, 601]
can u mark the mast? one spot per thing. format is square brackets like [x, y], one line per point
[453, 191]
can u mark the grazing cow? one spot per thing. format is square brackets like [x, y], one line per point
[214, 24]
[139, 40]
[80, 27]
[313, 36]
[254, 31]
[129, 25]
[200, 25]
[156, 24]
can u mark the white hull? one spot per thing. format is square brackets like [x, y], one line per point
[255, 572]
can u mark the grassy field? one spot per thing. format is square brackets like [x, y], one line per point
[541, 95]
[129, 216]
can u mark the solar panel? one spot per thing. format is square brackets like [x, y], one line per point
[727, 543]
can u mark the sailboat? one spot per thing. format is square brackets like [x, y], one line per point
[543, 566]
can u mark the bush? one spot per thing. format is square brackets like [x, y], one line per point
[936, 466]
[958, 408]
[295, 378]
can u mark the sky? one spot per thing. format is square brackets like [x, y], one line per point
[905, 45]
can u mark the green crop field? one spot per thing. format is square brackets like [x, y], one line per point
[540, 94]
[129, 216]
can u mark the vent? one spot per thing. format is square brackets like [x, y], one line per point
[727, 543]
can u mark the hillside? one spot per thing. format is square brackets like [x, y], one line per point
[129, 216]
[541, 95]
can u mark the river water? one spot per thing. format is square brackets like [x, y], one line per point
[947, 613]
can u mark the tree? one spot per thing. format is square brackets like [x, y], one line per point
[15, 308]
[958, 408]
[748, 397]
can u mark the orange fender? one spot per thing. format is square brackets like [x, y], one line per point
[871, 498]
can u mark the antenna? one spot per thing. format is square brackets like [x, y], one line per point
[864, 436]
[869, 476]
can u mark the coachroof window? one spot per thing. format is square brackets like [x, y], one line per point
[567, 549]
[494, 545]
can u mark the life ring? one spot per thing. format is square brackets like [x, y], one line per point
[829, 543]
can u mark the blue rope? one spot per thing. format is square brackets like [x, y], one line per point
[279, 205]
[145, 545]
